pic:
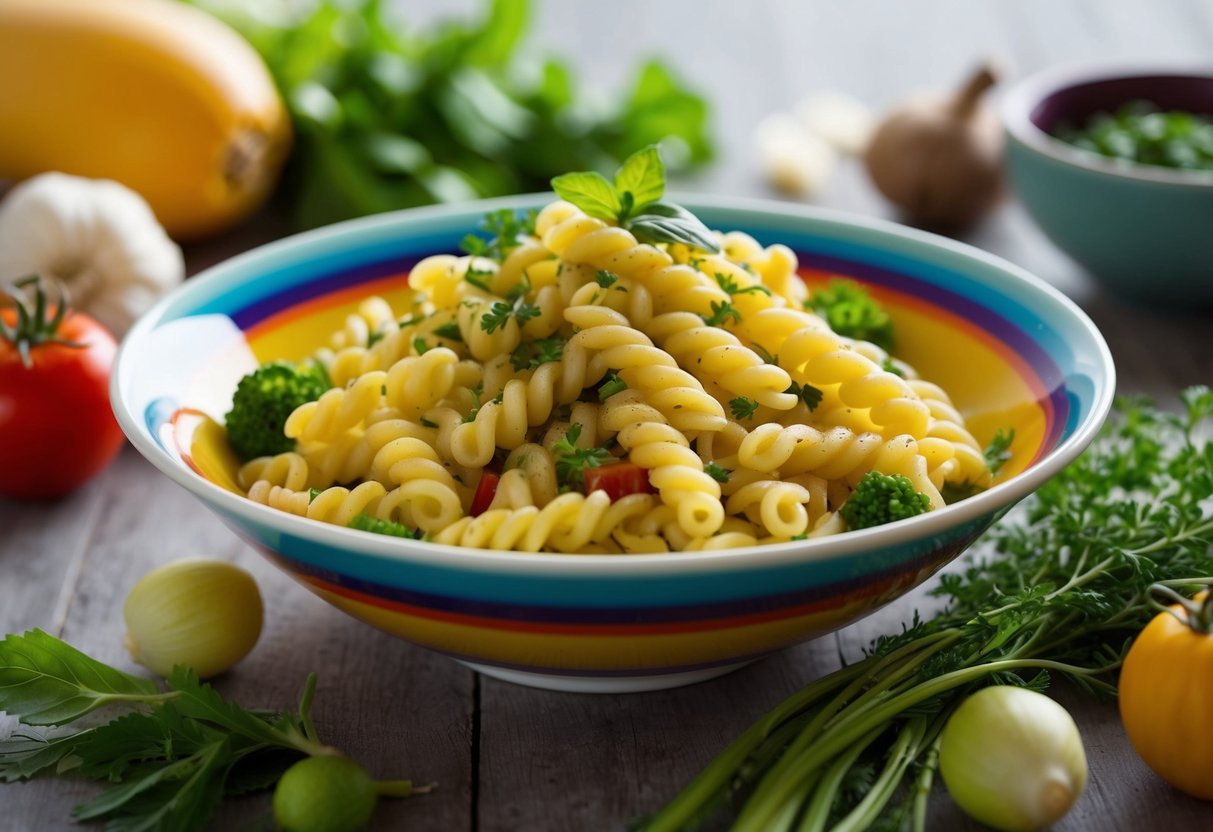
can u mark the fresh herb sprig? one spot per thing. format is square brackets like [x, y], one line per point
[529, 355]
[572, 461]
[505, 230]
[1061, 587]
[168, 761]
[633, 201]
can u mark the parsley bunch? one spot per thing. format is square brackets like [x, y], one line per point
[169, 760]
[389, 113]
[850, 311]
[1060, 586]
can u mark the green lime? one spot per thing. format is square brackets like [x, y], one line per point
[324, 794]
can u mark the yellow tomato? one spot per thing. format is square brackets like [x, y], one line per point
[154, 94]
[1166, 699]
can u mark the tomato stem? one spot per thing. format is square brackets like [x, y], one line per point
[33, 327]
[1199, 614]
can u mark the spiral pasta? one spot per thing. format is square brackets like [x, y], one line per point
[574, 389]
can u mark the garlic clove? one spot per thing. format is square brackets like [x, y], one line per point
[98, 238]
[793, 160]
[844, 121]
[202, 613]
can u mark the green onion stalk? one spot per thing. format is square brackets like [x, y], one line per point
[1060, 586]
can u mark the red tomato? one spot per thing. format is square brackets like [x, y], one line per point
[56, 426]
[486, 490]
[618, 480]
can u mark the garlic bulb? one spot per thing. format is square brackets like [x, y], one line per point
[939, 157]
[201, 613]
[1012, 758]
[97, 237]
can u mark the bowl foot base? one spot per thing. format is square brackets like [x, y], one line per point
[603, 684]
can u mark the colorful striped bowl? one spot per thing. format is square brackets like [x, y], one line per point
[1012, 351]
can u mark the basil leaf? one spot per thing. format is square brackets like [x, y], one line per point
[43, 681]
[665, 222]
[591, 192]
[642, 175]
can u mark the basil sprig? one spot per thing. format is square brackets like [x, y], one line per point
[633, 201]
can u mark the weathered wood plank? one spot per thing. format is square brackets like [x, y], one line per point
[401, 710]
[559, 761]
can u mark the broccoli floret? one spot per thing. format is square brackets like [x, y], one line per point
[851, 311]
[262, 402]
[882, 498]
[366, 523]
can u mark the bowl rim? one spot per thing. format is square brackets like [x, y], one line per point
[427, 553]
[1017, 104]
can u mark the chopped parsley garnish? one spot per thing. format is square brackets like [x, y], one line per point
[733, 288]
[851, 312]
[721, 312]
[421, 346]
[611, 385]
[605, 278]
[572, 461]
[743, 408]
[807, 393]
[312, 494]
[478, 278]
[999, 450]
[717, 472]
[504, 228]
[530, 354]
[426, 423]
[889, 367]
[499, 314]
[765, 355]
[477, 392]
[450, 331]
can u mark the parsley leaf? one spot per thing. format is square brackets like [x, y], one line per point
[529, 355]
[421, 346]
[728, 284]
[450, 331]
[807, 393]
[504, 228]
[717, 472]
[478, 278]
[999, 450]
[721, 312]
[499, 313]
[572, 461]
[611, 385]
[606, 279]
[743, 408]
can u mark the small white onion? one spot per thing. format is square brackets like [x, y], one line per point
[1013, 758]
[794, 160]
[842, 120]
[202, 613]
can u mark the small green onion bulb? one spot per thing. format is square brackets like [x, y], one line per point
[1012, 758]
[202, 613]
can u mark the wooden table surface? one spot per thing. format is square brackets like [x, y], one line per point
[511, 758]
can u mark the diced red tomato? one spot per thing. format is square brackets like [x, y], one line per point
[486, 490]
[618, 479]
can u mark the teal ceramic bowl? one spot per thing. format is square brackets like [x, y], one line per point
[1012, 351]
[1146, 232]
